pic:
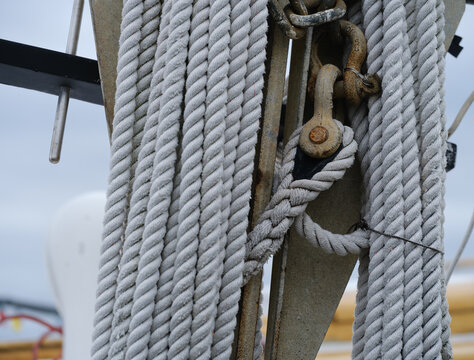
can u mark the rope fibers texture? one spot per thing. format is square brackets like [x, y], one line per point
[188, 103]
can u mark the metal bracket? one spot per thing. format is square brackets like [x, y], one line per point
[45, 70]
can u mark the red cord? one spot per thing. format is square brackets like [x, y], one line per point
[51, 329]
[37, 345]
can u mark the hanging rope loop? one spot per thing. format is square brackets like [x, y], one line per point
[292, 197]
[175, 249]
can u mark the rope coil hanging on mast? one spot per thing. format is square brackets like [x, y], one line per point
[189, 87]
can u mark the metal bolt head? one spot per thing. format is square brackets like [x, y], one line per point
[318, 135]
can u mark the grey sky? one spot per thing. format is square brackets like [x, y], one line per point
[31, 189]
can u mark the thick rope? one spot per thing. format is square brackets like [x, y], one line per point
[393, 274]
[233, 250]
[131, 247]
[163, 172]
[208, 264]
[398, 311]
[140, 321]
[190, 79]
[157, 315]
[175, 250]
[191, 153]
[291, 200]
[120, 174]
[412, 322]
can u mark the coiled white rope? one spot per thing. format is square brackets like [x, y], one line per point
[291, 199]
[189, 90]
[401, 307]
[188, 101]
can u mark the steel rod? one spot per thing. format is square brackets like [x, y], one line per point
[63, 100]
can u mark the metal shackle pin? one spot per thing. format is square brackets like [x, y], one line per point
[63, 99]
[320, 136]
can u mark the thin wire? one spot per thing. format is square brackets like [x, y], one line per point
[464, 108]
[461, 247]
[362, 224]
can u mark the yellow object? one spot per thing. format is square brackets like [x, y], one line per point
[50, 349]
[461, 308]
[16, 324]
[461, 351]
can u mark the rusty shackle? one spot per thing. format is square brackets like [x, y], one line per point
[320, 136]
[323, 16]
[294, 18]
[356, 85]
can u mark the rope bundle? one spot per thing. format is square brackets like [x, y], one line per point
[189, 89]
[401, 309]
[175, 250]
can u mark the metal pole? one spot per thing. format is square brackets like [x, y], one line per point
[63, 99]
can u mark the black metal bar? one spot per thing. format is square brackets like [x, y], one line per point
[45, 70]
[29, 306]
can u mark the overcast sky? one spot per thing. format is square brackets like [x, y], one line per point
[32, 189]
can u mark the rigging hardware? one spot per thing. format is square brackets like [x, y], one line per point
[64, 91]
[321, 136]
[294, 18]
[318, 18]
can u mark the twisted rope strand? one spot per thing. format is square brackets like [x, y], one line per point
[131, 246]
[430, 176]
[119, 177]
[160, 330]
[191, 155]
[412, 317]
[206, 283]
[234, 249]
[161, 219]
[372, 11]
[392, 84]
[291, 199]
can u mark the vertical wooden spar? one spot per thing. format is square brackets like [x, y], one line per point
[106, 19]
[277, 53]
[307, 284]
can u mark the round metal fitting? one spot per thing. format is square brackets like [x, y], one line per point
[318, 135]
